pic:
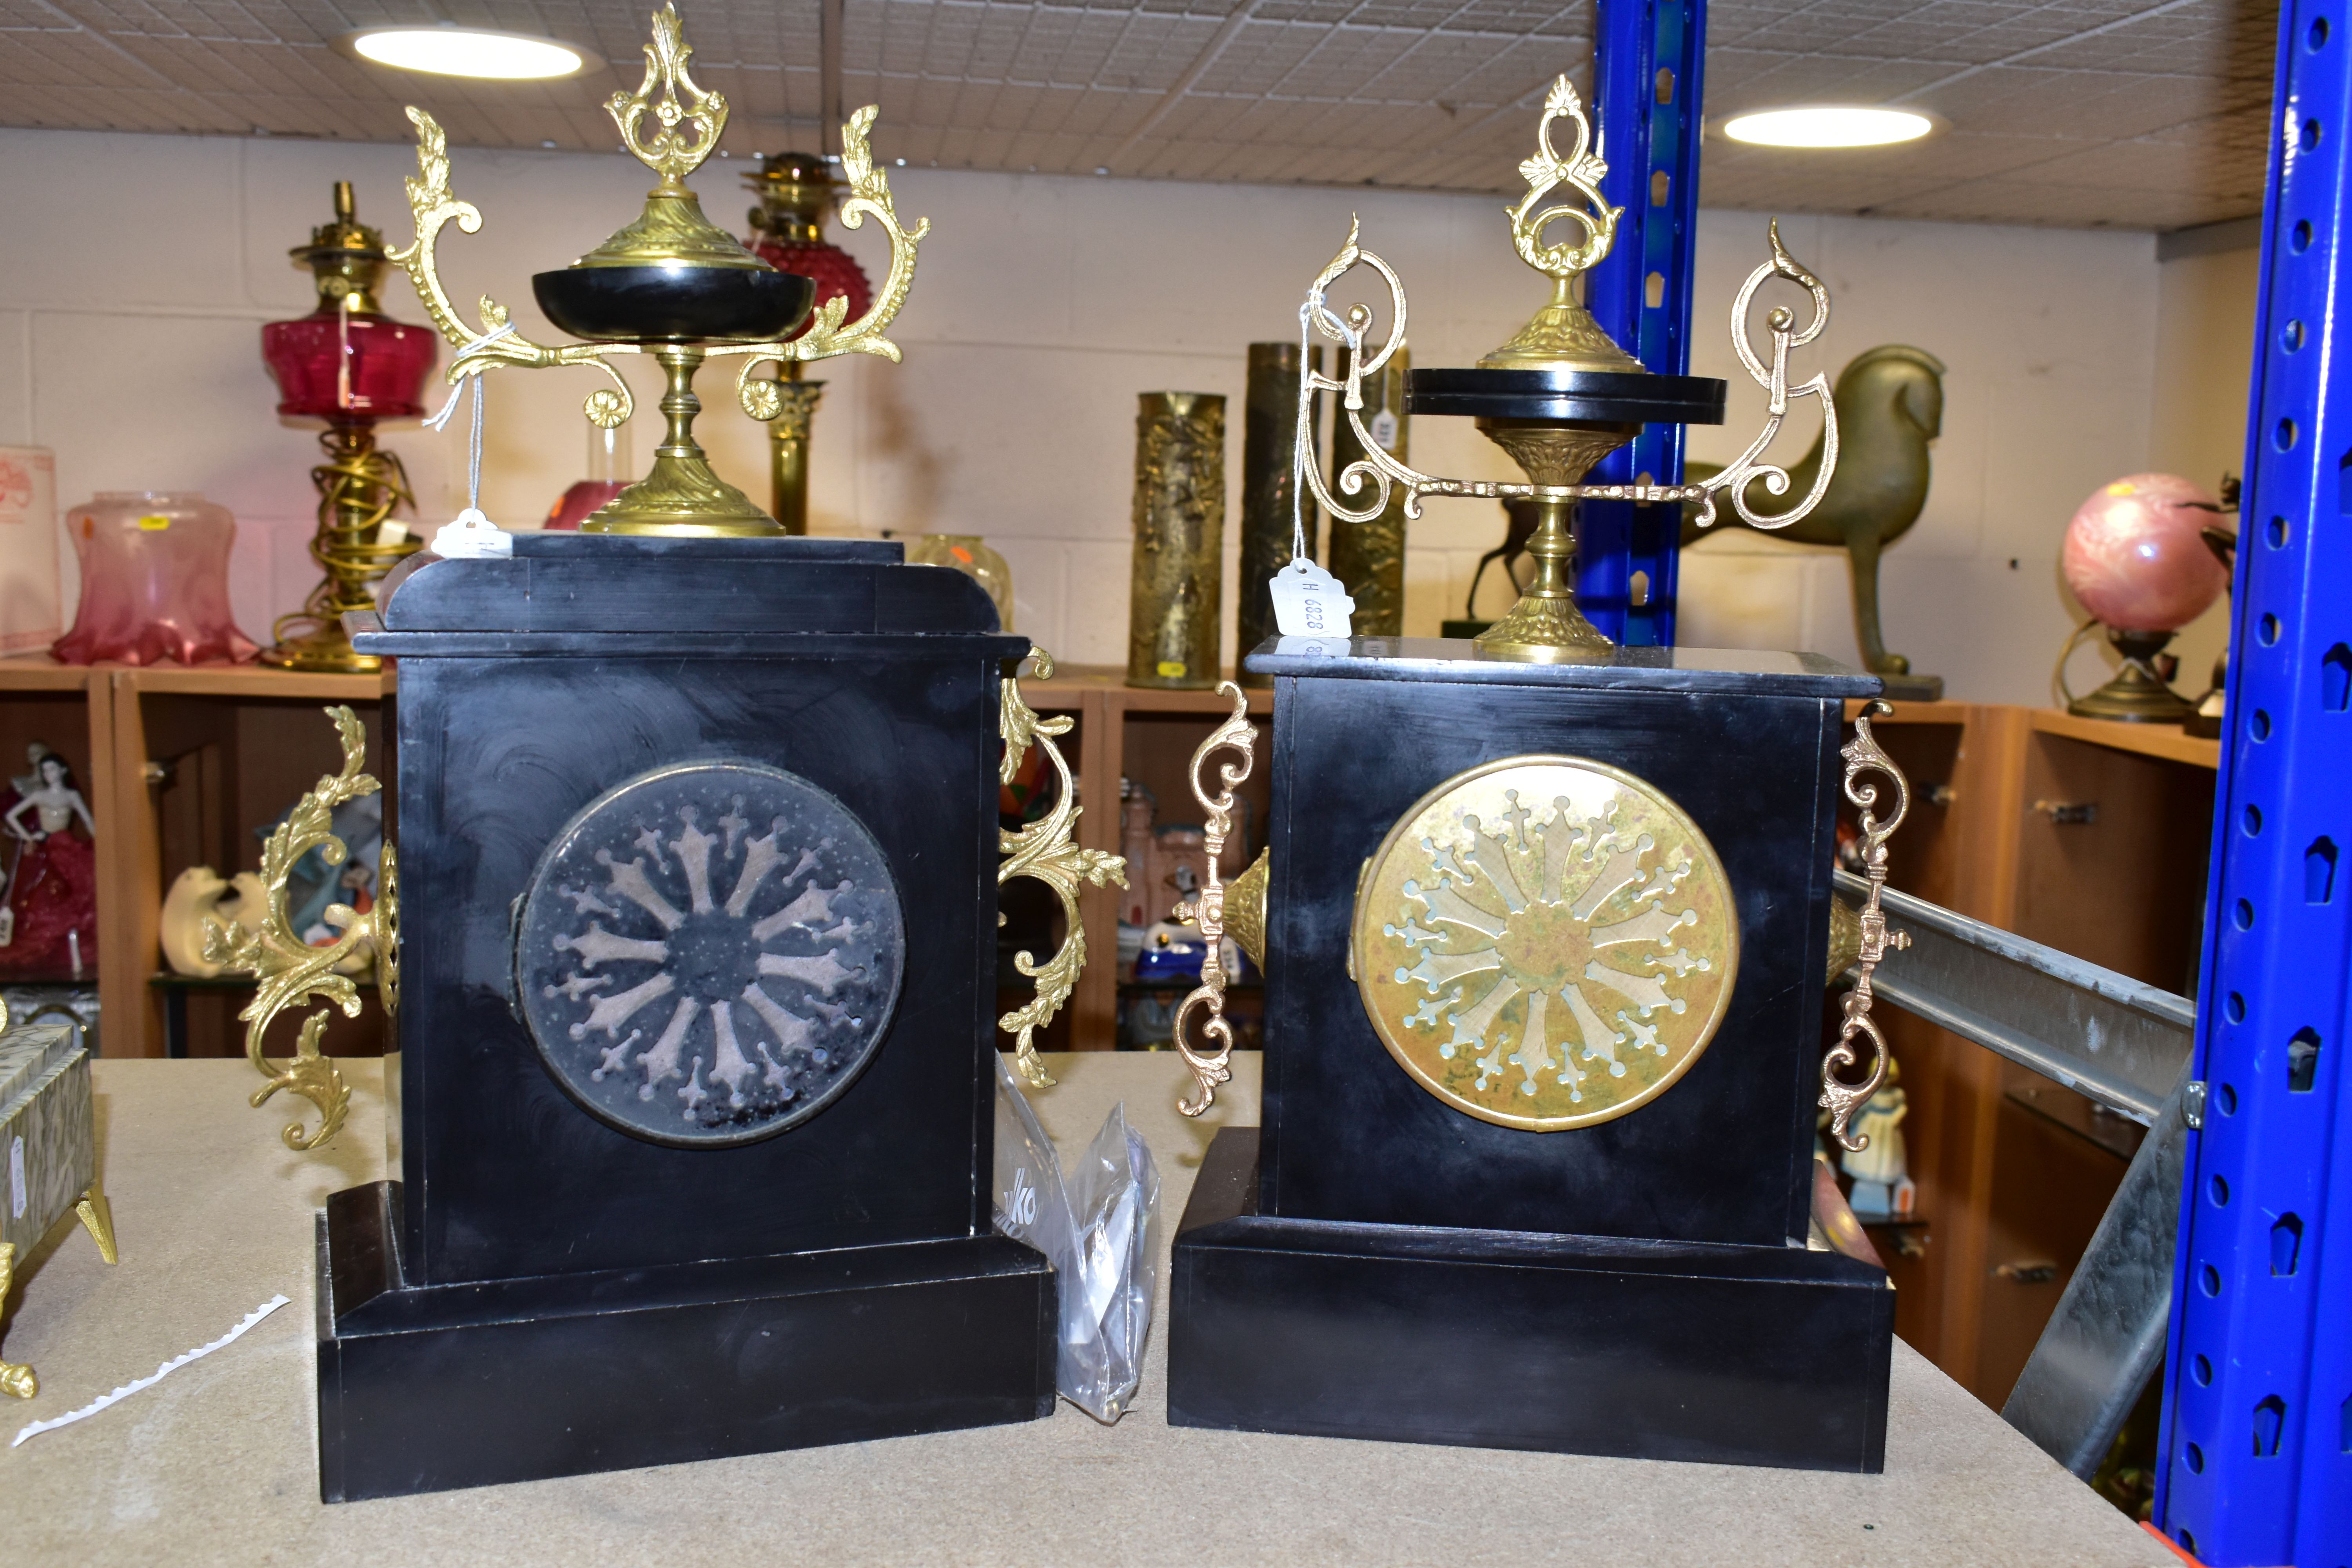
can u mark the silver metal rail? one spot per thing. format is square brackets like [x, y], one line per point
[2124, 1045]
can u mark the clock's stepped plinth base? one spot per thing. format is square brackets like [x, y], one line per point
[1647, 1349]
[430, 1388]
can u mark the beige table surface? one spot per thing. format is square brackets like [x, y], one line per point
[218, 1463]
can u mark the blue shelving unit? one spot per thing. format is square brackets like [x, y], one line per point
[1648, 59]
[2256, 1459]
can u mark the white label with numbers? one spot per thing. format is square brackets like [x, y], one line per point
[1308, 601]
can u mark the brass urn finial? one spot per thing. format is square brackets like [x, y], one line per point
[672, 228]
[1563, 335]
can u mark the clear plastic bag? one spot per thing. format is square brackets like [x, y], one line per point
[1100, 1227]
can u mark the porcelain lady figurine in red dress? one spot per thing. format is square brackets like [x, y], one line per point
[48, 926]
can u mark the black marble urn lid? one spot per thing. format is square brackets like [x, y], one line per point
[1600, 397]
[1758, 673]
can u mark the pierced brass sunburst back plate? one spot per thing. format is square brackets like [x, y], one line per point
[1546, 942]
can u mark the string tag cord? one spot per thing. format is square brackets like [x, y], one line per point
[471, 535]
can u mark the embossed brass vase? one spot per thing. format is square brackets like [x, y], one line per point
[1172, 614]
[672, 285]
[1270, 498]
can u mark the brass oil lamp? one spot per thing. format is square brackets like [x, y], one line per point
[349, 363]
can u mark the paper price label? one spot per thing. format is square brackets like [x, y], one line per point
[17, 1178]
[154, 523]
[1308, 602]
[1384, 430]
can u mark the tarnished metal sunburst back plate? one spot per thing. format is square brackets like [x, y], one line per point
[1546, 942]
[709, 953]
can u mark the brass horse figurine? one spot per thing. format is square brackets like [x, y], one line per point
[1890, 406]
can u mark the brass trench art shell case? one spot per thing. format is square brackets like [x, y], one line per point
[1546, 942]
[1173, 615]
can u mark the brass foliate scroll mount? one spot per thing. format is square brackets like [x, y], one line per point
[1046, 851]
[290, 971]
[1863, 755]
[670, 285]
[1201, 1017]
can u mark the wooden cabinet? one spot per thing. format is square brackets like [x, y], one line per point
[2089, 837]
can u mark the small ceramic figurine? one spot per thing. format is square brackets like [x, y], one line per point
[51, 919]
[1881, 1182]
[198, 899]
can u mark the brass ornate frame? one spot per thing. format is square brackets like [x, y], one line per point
[1581, 169]
[1382, 471]
[290, 971]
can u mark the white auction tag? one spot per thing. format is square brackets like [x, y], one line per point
[17, 1178]
[472, 537]
[1308, 601]
[1384, 430]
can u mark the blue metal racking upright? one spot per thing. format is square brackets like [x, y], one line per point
[1646, 82]
[2256, 1465]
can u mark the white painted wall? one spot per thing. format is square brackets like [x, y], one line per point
[133, 285]
[2204, 364]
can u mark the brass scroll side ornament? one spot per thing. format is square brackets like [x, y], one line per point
[1047, 851]
[1204, 1007]
[290, 971]
[1379, 472]
[1841, 1099]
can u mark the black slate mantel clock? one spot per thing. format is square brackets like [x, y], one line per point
[686, 923]
[1545, 927]
[1544, 978]
[693, 1090]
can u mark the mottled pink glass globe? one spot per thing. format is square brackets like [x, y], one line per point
[2135, 558]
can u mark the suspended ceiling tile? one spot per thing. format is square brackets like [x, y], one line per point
[2135, 119]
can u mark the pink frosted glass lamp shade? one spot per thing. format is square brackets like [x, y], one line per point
[154, 580]
[336, 363]
[2135, 555]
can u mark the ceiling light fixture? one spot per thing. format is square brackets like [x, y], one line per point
[468, 52]
[1828, 125]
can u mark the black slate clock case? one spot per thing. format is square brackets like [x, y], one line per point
[542, 1293]
[1372, 1262]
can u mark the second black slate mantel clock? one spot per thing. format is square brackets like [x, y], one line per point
[1545, 924]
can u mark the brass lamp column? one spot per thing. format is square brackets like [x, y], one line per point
[795, 191]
